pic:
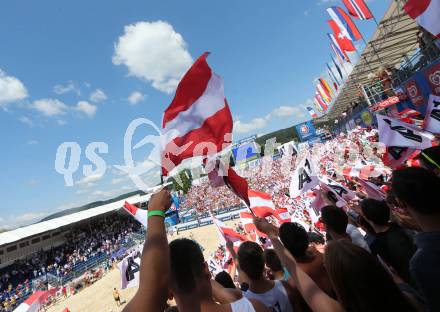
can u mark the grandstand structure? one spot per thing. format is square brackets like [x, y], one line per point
[392, 45]
[23, 242]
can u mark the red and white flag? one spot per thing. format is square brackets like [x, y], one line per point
[432, 117]
[247, 221]
[358, 9]
[198, 121]
[227, 233]
[140, 215]
[261, 204]
[231, 179]
[426, 13]
[343, 42]
[393, 132]
[283, 215]
[35, 301]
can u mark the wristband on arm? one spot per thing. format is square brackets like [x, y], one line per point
[156, 213]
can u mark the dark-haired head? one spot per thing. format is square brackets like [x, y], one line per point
[416, 189]
[360, 281]
[295, 239]
[375, 211]
[335, 219]
[272, 260]
[430, 159]
[188, 268]
[224, 279]
[251, 260]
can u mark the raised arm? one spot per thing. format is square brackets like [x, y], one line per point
[224, 295]
[317, 299]
[154, 271]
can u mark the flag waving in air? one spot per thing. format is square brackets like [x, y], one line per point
[312, 112]
[140, 215]
[345, 24]
[261, 204]
[197, 117]
[339, 52]
[343, 42]
[426, 13]
[358, 9]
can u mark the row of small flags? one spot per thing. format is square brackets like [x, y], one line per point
[345, 33]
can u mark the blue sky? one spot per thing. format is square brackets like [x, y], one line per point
[83, 70]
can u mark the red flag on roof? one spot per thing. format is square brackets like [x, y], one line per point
[198, 113]
[140, 215]
[426, 13]
[344, 43]
[358, 9]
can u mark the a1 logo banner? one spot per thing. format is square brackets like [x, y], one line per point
[395, 156]
[345, 193]
[304, 178]
[432, 117]
[213, 266]
[129, 269]
[393, 132]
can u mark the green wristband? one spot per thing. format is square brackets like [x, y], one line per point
[156, 213]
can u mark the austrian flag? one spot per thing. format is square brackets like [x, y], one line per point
[198, 121]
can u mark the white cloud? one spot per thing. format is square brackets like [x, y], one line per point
[11, 89]
[100, 193]
[86, 108]
[136, 97]
[69, 87]
[296, 112]
[50, 107]
[32, 182]
[117, 180]
[153, 51]
[89, 180]
[26, 121]
[254, 124]
[98, 96]
[29, 217]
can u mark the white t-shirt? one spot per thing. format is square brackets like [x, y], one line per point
[356, 237]
[242, 305]
[275, 299]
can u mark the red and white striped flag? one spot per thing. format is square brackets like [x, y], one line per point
[140, 215]
[426, 13]
[198, 121]
[247, 221]
[227, 233]
[358, 9]
[261, 204]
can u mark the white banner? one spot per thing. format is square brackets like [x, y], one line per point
[214, 266]
[129, 269]
[432, 117]
[393, 132]
[304, 177]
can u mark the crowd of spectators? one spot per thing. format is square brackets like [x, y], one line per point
[103, 237]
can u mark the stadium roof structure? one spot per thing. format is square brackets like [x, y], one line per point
[394, 39]
[56, 223]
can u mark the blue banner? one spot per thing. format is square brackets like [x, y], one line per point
[306, 131]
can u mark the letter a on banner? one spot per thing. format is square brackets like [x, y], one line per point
[304, 177]
[393, 132]
[432, 119]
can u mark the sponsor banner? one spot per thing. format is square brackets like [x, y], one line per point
[384, 104]
[305, 130]
[433, 77]
[414, 92]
